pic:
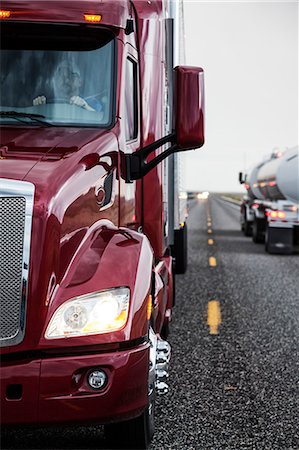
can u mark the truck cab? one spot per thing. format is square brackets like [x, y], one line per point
[87, 280]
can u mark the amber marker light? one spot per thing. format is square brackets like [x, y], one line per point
[93, 18]
[4, 14]
[149, 307]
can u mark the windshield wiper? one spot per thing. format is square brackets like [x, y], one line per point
[21, 115]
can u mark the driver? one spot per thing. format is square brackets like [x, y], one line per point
[67, 83]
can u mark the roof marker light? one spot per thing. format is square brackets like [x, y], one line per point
[4, 14]
[93, 18]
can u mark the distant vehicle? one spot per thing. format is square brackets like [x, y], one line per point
[270, 209]
[203, 195]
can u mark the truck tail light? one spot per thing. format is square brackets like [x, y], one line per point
[272, 183]
[281, 214]
[276, 214]
[94, 18]
[4, 14]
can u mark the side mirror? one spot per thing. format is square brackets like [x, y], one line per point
[188, 124]
[189, 107]
[241, 178]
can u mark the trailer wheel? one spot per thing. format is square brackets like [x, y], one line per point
[258, 231]
[180, 249]
[247, 228]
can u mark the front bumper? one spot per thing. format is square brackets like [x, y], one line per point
[55, 390]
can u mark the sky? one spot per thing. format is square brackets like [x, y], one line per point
[249, 51]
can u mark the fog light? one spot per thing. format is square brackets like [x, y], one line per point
[97, 379]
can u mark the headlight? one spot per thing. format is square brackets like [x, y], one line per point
[99, 312]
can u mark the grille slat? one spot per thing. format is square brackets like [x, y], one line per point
[12, 228]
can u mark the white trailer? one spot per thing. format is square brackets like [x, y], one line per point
[176, 200]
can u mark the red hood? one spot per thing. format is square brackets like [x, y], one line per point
[22, 148]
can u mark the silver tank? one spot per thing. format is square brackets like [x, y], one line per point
[278, 178]
[252, 183]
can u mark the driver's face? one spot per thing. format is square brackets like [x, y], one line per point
[68, 82]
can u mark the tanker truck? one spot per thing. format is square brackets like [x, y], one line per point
[270, 210]
[91, 108]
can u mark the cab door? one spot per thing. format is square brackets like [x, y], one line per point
[130, 193]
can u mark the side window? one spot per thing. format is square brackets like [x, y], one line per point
[131, 100]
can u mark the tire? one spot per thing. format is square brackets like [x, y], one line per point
[247, 228]
[267, 241]
[165, 330]
[135, 433]
[258, 231]
[180, 249]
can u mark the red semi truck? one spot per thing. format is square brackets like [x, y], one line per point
[90, 110]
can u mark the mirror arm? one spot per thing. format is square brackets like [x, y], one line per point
[136, 165]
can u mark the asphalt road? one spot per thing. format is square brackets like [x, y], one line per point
[234, 370]
[237, 389]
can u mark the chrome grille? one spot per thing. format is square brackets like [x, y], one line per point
[12, 224]
[16, 202]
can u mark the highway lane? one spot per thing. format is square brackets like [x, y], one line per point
[235, 389]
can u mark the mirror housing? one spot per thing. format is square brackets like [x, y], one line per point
[189, 107]
[188, 124]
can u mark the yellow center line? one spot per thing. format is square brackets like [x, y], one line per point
[210, 241]
[214, 316]
[212, 261]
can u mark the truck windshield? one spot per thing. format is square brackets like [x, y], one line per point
[65, 74]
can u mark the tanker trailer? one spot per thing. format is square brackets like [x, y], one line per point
[249, 200]
[276, 213]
